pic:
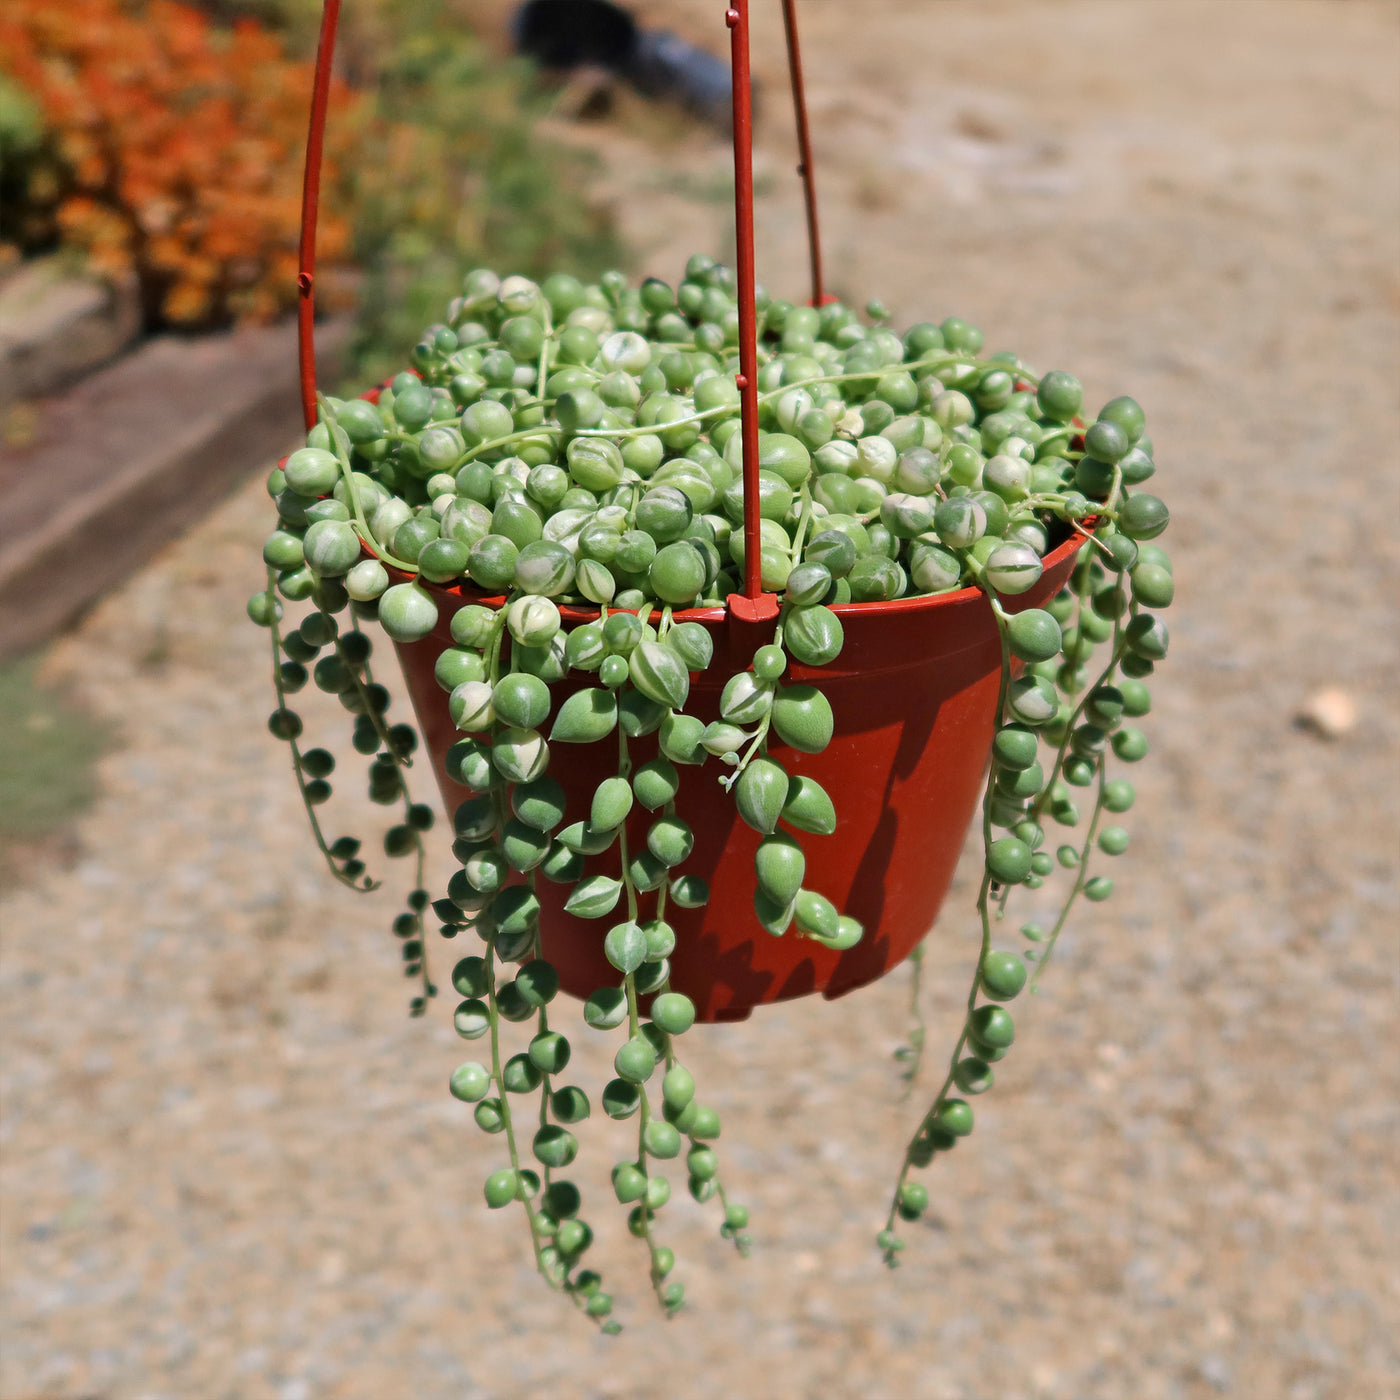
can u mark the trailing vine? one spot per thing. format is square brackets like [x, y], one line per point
[562, 447]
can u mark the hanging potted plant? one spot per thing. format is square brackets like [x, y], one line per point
[721, 617]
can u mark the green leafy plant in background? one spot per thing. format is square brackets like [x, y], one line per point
[49, 747]
[459, 178]
[21, 131]
[451, 173]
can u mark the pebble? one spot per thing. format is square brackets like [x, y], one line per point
[1331, 713]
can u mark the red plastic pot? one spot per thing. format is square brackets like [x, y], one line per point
[913, 694]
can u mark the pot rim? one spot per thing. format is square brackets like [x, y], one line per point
[579, 615]
[575, 613]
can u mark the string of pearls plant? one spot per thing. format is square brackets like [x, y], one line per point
[569, 444]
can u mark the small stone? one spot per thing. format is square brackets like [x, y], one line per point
[1330, 712]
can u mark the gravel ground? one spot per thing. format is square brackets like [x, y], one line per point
[230, 1170]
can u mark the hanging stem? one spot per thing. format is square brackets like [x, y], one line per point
[805, 167]
[737, 18]
[348, 880]
[892, 1246]
[310, 207]
[1086, 850]
[634, 1029]
[912, 1051]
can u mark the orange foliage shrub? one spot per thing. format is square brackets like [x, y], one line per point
[174, 151]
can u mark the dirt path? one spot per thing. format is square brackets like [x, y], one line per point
[229, 1168]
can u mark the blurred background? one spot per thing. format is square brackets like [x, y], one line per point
[228, 1166]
